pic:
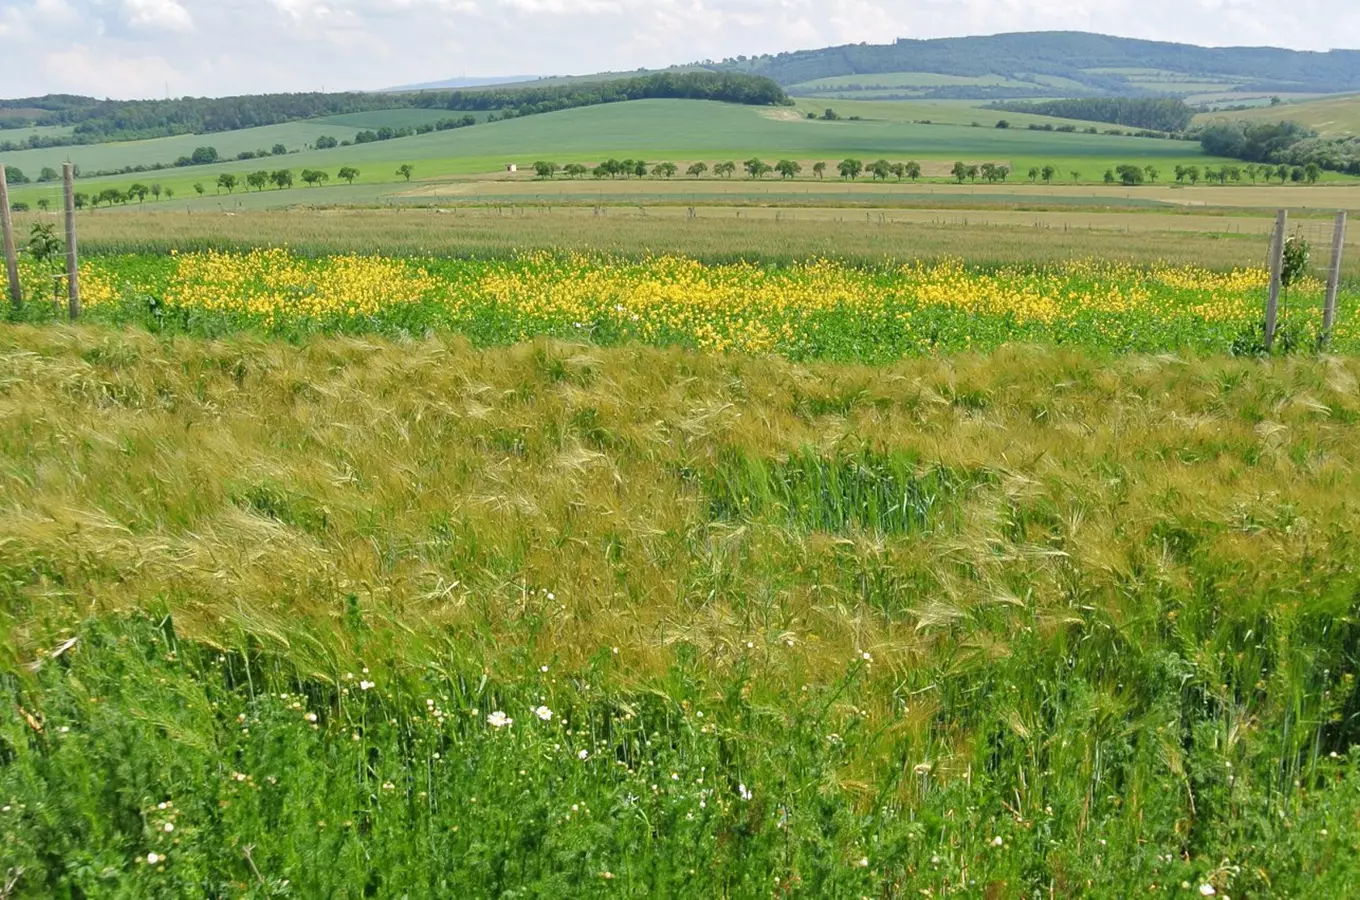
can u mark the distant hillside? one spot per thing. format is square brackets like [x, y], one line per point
[1051, 64]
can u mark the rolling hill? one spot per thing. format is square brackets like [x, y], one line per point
[1053, 64]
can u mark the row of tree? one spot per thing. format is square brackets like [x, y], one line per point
[755, 168]
[280, 179]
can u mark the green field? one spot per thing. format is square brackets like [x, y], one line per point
[97, 157]
[899, 80]
[655, 129]
[1333, 116]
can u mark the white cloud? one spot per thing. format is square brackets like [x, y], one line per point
[157, 15]
[133, 47]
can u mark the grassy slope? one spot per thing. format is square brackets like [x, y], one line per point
[1329, 116]
[1104, 635]
[676, 129]
[94, 157]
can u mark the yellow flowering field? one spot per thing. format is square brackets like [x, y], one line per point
[817, 309]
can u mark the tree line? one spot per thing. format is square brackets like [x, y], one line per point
[100, 121]
[278, 179]
[755, 168]
[1149, 113]
[1281, 143]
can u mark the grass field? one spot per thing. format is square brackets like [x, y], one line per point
[660, 129]
[1333, 116]
[358, 618]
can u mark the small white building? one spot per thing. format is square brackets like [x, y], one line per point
[512, 168]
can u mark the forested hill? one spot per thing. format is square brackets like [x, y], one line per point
[1087, 59]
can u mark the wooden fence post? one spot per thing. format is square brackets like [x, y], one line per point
[1334, 277]
[1276, 272]
[68, 178]
[16, 295]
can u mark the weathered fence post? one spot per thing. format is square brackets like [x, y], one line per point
[1334, 277]
[1276, 273]
[16, 295]
[72, 258]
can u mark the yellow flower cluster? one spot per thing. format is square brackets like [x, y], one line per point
[816, 307]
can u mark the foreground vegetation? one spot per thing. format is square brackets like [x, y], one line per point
[358, 618]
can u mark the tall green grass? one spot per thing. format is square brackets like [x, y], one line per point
[1028, 624]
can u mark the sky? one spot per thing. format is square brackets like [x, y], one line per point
[128, 49]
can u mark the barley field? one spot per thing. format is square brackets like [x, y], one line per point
[360, 616]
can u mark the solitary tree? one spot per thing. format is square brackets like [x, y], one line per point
[44, 204]
[881, 169]
[228, 181]
[973, 172]
[314, 177]
[819, 169]
[725, 169]
[1252, 171]
[1033, 174]
[1076, 176]
[899, 170]
[665, 170]
[259, 180]
[850, 168]
[1192, 174]
[1181, 174]
[640, 168]
[1152, 172]
[279, 150]
[139, 191]
[82, 199]
[697, 170]
[198, 186]
[169, 193]
[960, 171]
[1109, 176]
[575, 170]
[787, 168]
[541, 170]
[156, 190]
[283, 178]
[1312, 172]
[1048, 174]
[348, 174]
[406, 170]
[913, 169]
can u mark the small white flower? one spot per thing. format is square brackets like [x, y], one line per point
[1207, 890]
[584, 754]
[745, 794]
[153, 858]
[544, 713]
[922, 768]
[366, 685]
[997, 842]
[616, 651]
[542, 668]
[499, 719]
[310, 717]
[866, 656]
[864, 862]
[750, 645]
[169, 827]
